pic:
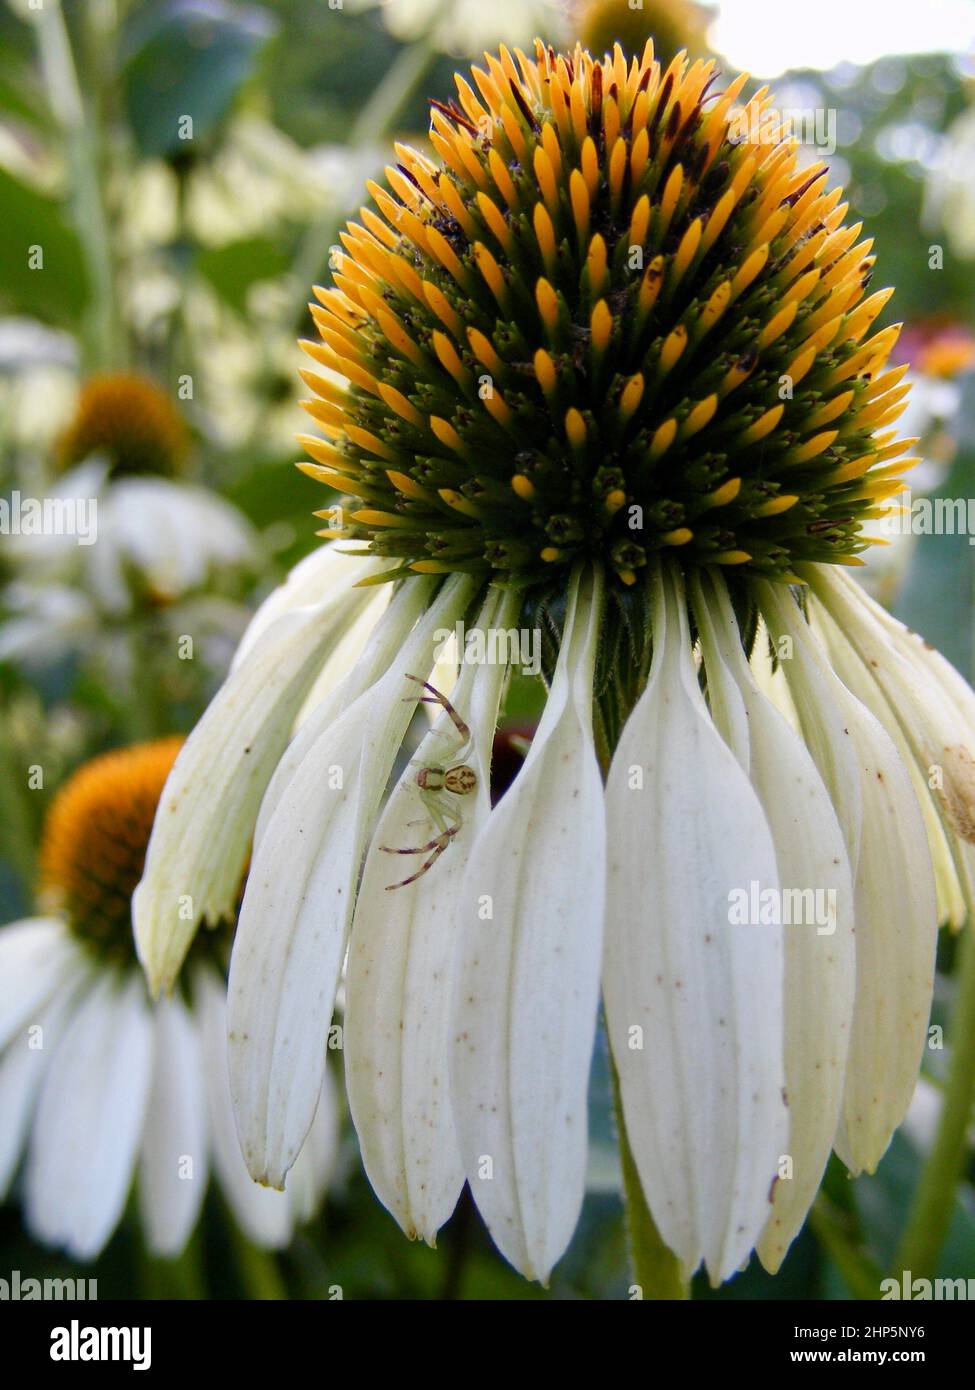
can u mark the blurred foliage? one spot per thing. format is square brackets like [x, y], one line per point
[187, 57]
[937, 597]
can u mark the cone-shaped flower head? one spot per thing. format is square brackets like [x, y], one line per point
[615, 318]
[95, 838]
[602, 373]
[128, 420]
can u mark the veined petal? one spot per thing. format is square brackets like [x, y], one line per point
[859, 680]
[89, 1119]
[399, 972]
[526, 985]
[377, 656]
[37, 955]
[293, 923]
[173, 1165]
[919, 708]
[342, 659]
[694, 1003]
[322, 573]
[895, 904]
[820, 962]
[208, 808]
[309, 1178]
[264, 1216]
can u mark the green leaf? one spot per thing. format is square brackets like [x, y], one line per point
[884, 1199]
[55, 291]
[188, 58]
[233, 268]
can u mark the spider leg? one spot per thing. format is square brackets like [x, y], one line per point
[441, 846]
[436, 698]
[441, 841]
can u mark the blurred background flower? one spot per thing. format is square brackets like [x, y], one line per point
[96, 1083]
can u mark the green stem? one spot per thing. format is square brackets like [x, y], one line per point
[390, 95]
[369, 128]
[64, 94]
[147, 711]
[257, 1269]
[934, 1199]
[19, 821]
[827, 1223]
[656, 1271]
[180, 1278]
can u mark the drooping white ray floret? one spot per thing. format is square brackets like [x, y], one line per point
[895, 899]
[526, 984]
[294, 919]
[398, 984]
[919, 708]
[207, 812]
[820, 964]
[694, 1003]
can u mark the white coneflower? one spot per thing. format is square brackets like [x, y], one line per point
[97, 1085]
[609, 378]
[132, 529]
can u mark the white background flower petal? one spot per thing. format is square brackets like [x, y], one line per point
[89, 1119]
[36, 956]
[23, 1066]
[173, 1164]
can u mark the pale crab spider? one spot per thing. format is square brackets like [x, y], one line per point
[433, 781]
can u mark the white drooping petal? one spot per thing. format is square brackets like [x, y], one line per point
[173, 1163]
[326, 570]
[90, 1113]
[376, 657]
[37, 955]
[208, 808]
[343, 657]
[859, 680]
[309, 1178]
[526, 983]
[818, 915]
[895, 901]
[293, 924]
[399, 971]
[263, 1215]
[694, 999]
[770, 677]
[23, 1066]
[919, 706]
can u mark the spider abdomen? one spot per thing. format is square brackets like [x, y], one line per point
[460, 780]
